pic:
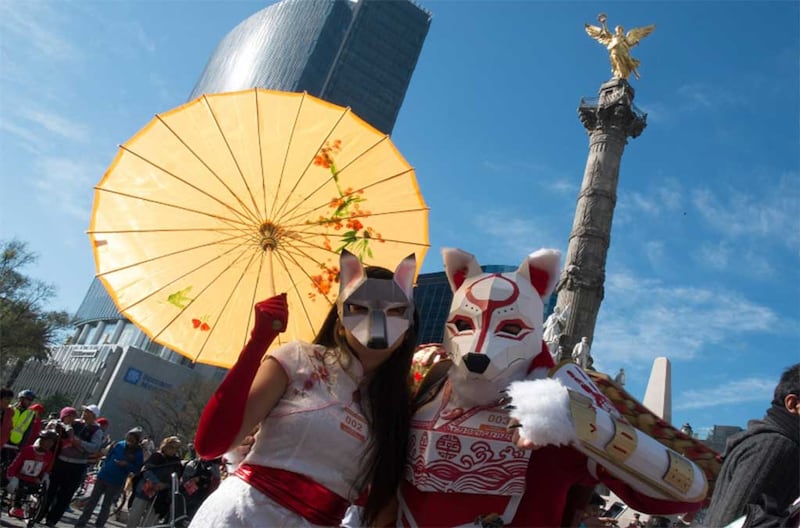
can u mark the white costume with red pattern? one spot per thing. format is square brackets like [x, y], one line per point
[321, 401]
[463, 468]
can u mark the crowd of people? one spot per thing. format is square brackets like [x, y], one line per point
[324, 427]
[53, 458]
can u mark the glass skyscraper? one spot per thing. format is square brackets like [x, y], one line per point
[356, 53]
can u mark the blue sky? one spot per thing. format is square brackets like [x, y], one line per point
[705, 246]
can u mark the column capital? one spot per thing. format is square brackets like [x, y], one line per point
[613, 110]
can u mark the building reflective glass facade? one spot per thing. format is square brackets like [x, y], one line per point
[359, 54]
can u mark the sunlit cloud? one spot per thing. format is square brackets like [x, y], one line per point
[655, 201]
[772, 212]
[644, 318]
[37, 24]
[734, 391]
[24, 137]
[721, 256]
[507, 237]
[714, 256]
[56, 124]
[563, 186]
[709, 97]
[147, 43]
[654, 251]
[65, 184]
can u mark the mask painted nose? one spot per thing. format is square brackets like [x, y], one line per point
[476, 363]
[377, 331]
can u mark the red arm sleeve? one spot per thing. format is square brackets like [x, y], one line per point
[223, 414]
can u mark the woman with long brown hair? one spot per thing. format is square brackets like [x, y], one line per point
[333, 415]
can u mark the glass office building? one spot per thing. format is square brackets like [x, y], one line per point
[358, 53]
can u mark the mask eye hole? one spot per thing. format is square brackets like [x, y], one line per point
[460, 325]
[356, 309]
[516, 329]
[511, 328]
[397, 311]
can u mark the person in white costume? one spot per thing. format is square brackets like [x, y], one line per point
[333, 416]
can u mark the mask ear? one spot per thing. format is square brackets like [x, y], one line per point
[541, 269]
[459, 266]
[404, 275]
[351, 273]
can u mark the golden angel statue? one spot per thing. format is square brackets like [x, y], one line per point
[619, 45]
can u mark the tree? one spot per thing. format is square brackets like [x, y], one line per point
[56, 401]
[172, 412]
[27, 329]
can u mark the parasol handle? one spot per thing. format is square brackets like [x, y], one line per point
[270, 273]
[270, 235]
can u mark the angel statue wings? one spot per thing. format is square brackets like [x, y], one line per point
[619, 45]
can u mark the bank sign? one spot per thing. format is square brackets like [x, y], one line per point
[135, 376]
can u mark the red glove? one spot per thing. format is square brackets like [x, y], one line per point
[222, 417]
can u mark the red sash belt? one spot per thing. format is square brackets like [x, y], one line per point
[298, 493]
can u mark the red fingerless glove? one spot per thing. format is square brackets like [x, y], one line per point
[222, 417]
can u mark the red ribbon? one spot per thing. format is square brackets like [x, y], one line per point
[298, 493]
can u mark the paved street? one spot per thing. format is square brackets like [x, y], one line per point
[68, 521]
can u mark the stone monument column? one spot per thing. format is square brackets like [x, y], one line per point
[609, 120]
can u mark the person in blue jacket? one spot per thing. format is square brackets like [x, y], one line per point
[124, 457]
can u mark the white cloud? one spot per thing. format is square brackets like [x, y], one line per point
[655, 201]
[656, 112]
[56, 124]
[721, 256]
[709, 97]
[506, 237]
[143, 38]
[27, 138]
[66, 185]
[563, 186]
[714, 256]
[771, 212]
[654, 250]
[734, 391]
[37, 25]
[644, 318]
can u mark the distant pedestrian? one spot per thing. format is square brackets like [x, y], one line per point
[124, 457]
[152, 494]
[71, 463]
[22, 420]
[763, 460]
[200, 478]
[105, 443]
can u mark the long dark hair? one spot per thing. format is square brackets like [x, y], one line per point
[389, 409]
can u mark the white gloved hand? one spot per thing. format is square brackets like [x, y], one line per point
[12, 485]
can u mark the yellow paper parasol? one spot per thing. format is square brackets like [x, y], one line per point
[233, 197]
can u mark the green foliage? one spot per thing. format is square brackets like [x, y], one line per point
[55, 402]
[27, 329]
[174, 411]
